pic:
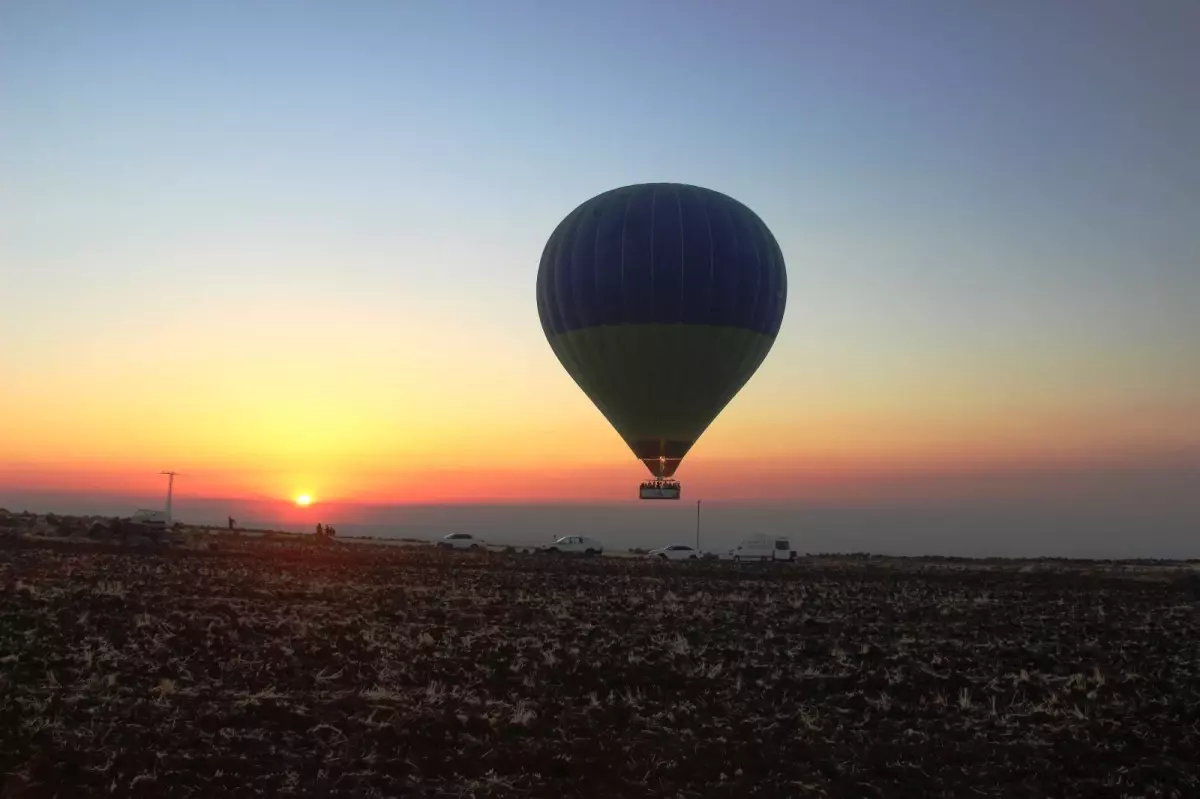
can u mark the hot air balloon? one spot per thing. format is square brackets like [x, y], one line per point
[661, 300]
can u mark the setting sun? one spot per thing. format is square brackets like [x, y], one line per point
[304, 500]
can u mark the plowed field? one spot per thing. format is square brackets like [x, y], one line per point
[370, 671]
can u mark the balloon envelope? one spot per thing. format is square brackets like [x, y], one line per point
[661, 300]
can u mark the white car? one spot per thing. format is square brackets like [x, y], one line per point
[576, 545]
[460, 541]
[674, 552]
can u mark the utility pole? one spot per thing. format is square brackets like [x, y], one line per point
[170, 491]
[697, 527]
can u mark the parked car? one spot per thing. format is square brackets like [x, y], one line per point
[460, 541]
[675, 552]
[762, 548]
[575, 545]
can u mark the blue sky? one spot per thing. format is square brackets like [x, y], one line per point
[1041, 136]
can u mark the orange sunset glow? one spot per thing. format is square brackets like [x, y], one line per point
[395, 437]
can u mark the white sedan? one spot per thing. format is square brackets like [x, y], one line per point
[576, 545]
[460, 541]
[674, 552]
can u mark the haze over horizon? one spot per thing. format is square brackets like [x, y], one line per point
[287, 250]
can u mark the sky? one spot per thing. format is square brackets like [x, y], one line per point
[290, 248]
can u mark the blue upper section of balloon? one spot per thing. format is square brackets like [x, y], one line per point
[662, 253]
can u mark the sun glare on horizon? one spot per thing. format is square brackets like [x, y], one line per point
[304, 500]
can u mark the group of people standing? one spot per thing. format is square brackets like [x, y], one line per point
[324, 531]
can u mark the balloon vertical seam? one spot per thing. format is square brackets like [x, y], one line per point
[682, 252]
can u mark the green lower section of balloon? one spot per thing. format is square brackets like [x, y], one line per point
[661, 383]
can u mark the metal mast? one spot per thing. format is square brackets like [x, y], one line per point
[170, 491]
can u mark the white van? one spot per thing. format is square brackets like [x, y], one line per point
[146, 516]
[762, 548]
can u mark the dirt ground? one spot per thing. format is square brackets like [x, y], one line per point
[373, 671]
